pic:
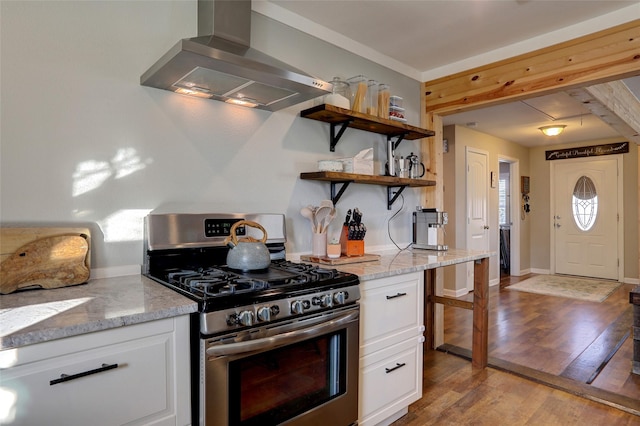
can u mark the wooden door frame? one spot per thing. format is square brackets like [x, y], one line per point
[601, 57]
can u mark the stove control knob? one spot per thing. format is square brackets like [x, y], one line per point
[326, 301]
[245, 318]
[339, 298]
[264, 314]
[297, 307]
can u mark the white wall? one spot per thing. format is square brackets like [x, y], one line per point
[82, 143]
[460, 138]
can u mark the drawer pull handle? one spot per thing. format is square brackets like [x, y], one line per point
[67, 377]
[398, 365]
[396, 295]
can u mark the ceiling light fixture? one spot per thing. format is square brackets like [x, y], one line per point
[554, 130]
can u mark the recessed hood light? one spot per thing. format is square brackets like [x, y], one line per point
[242, 102]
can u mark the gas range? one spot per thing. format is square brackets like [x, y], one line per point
[186, 252]
[259, 329]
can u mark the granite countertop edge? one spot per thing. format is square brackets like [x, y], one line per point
[391, 263]
[109, 303]
[36, 316]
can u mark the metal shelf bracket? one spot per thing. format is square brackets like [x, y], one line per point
[334, 138]
[391, 197]
[397, 142]
[335, 197]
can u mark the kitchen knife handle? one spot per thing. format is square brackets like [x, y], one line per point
[67, 377]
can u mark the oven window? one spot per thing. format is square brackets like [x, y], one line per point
[277, 385]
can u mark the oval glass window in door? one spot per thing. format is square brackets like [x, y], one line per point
[585, 203]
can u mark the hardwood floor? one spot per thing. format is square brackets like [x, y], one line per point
[456, 394]
[533, 339]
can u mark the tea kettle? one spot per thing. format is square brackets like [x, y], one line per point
[414, 165]
[247, 253]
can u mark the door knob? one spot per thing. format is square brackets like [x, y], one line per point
[486, 227]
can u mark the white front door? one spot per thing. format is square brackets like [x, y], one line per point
[477, 204]
[586, 217]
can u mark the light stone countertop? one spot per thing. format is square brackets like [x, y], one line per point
[395, 262]
[33, 316]
[39, 315]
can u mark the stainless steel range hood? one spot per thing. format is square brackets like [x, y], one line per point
[219, 64]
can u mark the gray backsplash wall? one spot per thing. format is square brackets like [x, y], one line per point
[82, 143]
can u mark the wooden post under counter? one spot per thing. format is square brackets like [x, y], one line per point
[480, 307]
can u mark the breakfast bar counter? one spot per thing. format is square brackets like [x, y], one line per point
[395, 262]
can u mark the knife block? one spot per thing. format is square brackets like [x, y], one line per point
[350, 248]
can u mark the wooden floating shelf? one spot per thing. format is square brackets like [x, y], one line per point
[345, 118]
[346, 178]
[366, 179]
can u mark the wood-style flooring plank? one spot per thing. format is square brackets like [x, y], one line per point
[594, 358]
[455, 393]
[536, 337]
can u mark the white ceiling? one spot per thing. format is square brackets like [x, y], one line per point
[427, 39]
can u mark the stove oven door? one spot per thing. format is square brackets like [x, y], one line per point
[302, 372]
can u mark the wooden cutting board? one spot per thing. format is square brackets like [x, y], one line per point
[342, 260]
[43, 257]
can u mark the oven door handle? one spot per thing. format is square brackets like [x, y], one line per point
[282, 339]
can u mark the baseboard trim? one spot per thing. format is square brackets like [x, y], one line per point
[454, 293]
[539, 271]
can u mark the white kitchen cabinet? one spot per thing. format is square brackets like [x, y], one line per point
[390, 380]
[134, 375]
[391, 340]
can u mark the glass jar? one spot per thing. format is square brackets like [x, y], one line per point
[340, 95]
[372, 97]
[358, 87]
[383, 100]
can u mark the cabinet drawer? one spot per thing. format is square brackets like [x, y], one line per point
[390, 380]
[128, 382]
[391, 311]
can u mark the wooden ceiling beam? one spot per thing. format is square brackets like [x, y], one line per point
[614, 104]
[608, 55]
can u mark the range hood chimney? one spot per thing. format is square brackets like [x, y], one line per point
[220, 65]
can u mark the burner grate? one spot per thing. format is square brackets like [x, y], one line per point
[220, 285]
[313, 272]
[214, 282]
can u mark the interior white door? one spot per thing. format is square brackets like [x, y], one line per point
[586, 217]
[477, 203]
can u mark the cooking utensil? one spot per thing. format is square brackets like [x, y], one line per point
[321, 214]
[309, 214]
[326, 203]
[247, 254]
[327, 220]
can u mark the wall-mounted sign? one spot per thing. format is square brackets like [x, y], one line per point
[588, 151]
